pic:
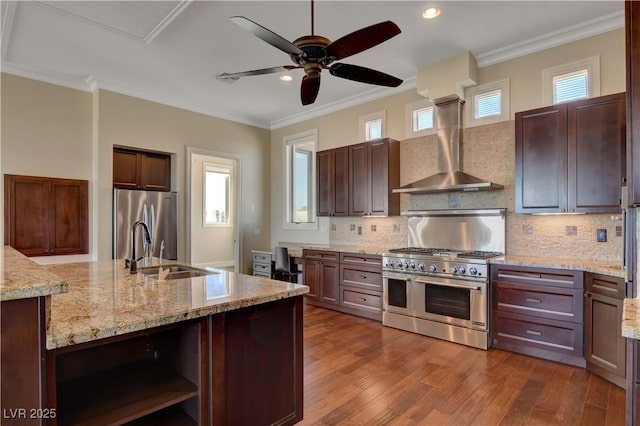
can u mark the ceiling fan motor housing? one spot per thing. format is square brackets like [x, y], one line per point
[314, 57]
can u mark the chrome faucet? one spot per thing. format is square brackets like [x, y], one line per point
[133, 263]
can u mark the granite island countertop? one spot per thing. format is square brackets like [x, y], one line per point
[21, 278]
[105, 300]
[631, 319]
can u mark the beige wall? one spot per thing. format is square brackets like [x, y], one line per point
[488, 152]
[55, 131]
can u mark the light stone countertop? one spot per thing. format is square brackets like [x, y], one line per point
[21, 278]
[105, 300]
[631, 319]
[599, 267]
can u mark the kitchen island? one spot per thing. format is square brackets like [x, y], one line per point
[89, 343]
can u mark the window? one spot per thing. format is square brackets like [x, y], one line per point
[300, 155]
[373, 126]
[487, 103]
[420, 119]
[217, 195]
[571, 81]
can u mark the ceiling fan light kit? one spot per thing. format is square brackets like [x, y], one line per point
[313, 53]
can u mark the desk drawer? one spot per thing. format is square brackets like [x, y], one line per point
[259, 268]
[261, 258]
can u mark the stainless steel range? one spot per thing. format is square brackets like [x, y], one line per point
[438, 285]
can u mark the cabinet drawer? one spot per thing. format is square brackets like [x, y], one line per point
[327, 256]
[356, 298]
[538, 276]
[358, 278]
[361, 259]
[605, 285]
[560, 304]
[262, 257]
[555, 336]
[260, 268]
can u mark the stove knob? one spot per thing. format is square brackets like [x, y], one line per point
[453, 270]
[399, 264]
[433, 268]
[412, 265]
[462, 269]
[421, 266]
[406, 265]
[390, 264]
[473, 270]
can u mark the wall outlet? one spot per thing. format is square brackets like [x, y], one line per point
[352, 227]
[601, 235]
[453, 201]
[571, 230]
[333, 227]
[396, 228]
[618, 231]
[373, 228]
[359, 230]
[527, 229]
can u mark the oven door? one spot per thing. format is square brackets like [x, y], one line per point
[457, 302]
[397, 293]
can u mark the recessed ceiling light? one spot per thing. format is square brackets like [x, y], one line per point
[431, 13]
[286, 77]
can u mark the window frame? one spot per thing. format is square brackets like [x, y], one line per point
[362, 122]
[303, 138]
[409, 122]
[218, 168]
[591, 64]
[505, 101]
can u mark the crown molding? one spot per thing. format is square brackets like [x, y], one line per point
[8, 15]
[610, 22]
[87, 83]
[167, 20]
[351, 101]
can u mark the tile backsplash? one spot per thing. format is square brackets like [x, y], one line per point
[489, 153]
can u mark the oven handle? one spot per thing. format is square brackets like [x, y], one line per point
[395, 277]
[449, 284]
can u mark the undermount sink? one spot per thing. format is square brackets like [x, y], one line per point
[176, 272]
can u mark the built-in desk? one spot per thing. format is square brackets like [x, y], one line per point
[264, 265]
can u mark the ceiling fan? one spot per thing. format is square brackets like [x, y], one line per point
[313, 53]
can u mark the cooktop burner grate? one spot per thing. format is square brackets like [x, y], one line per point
[478, 254]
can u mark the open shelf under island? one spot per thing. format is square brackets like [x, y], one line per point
[90, 344]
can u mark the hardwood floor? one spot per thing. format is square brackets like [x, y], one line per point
[358, 372]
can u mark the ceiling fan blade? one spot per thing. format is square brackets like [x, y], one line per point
[267, 35]
[364, 75]
[309, 89]
[237, 75]
[362, 39]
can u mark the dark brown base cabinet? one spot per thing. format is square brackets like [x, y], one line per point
[346, 282]
[538, 312]
[242, 367]
[604, 346]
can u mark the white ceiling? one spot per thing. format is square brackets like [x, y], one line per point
[170, 52]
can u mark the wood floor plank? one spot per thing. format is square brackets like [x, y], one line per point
[358, 372]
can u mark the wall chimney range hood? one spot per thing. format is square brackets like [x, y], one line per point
[449, 177]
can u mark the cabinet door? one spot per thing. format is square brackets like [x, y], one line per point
[541, 160]
[125, 169]
[155, 171]
[596, 138]
[326, 181]
[379, 166]
[68, 217]
[359, 181]
[27, 214]
[311, 277]
[330, 279]
[632, 42]
[341, 181]
[604, 347]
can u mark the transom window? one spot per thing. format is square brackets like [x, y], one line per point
[420, 118]
[373, 126]
[487, 103]
[571, 81]
[570, 86]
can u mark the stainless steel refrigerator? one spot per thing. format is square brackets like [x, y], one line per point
[158, 210]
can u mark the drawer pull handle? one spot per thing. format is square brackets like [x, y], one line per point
[533, 332]
[364, 277]
[362, 299]
[530, 300]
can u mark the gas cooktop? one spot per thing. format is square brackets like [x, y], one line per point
[443, 252]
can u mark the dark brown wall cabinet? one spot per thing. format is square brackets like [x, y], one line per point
[46, 216]
[333, 182]
[374, 171]
[538, 312]
[141, 170]
[604, 346]
[571, 157]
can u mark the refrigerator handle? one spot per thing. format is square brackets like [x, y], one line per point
[152, 227]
